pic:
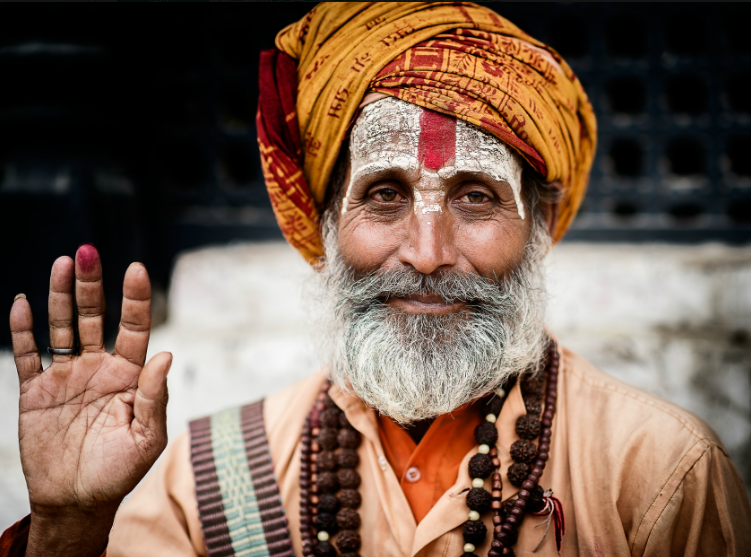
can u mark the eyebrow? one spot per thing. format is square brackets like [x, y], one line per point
[379, 170]
[479, 175]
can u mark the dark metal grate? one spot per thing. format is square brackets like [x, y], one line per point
[671, 85]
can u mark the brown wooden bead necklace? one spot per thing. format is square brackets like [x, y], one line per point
[329, 480]
[328, 464]
[524, 473]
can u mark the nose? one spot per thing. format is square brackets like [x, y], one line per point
[429, 244]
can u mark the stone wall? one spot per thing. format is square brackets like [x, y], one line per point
[673, 320]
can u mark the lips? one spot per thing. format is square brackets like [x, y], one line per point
[424, 303]
[426, 299]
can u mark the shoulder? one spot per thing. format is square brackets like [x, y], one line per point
[284, 413]
[595, 397]
[629, 450]
[289, 406]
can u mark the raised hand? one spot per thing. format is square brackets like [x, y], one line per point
[93, 423]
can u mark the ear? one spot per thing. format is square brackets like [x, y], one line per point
[550, 214]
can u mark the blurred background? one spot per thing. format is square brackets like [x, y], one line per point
[136, 133]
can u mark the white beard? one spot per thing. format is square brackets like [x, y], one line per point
[413, 367]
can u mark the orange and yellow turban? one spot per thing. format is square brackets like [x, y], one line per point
[456, 58]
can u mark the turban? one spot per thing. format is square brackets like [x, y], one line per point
[455, 58]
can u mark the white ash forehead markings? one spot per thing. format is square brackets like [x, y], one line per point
[384, 121]
[376, 135]
[387, 135]
[383, 137]
[430, 197]
[433, 204]
[395, 127]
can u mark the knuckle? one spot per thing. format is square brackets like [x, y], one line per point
[89, 282]
[143, 300]
[65, 292]
[134, 327]
[92, 347]
[90, 313]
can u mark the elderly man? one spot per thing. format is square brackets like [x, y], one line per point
[424, 156]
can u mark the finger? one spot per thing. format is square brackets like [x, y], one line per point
[89, 299]
[135, 322]
[25, 352]
[62, 334]
[150, 406]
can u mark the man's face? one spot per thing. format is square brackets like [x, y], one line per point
[428, 192]
[432, 294]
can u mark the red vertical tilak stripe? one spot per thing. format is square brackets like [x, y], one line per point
[437, 144]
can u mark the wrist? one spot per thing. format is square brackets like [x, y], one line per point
[69, 531]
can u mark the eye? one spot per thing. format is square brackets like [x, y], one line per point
[476, 197]
[387, 195]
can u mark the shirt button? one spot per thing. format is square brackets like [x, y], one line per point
[382, 462]
[413, 474]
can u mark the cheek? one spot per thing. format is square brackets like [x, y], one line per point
[368, 245]
[493, 246]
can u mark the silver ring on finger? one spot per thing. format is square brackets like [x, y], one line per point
[61, 351]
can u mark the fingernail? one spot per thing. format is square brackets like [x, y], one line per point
[136, 263]
[19, 296]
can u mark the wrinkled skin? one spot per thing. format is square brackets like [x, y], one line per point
[91, 424]
[404, 207]
[431, 202]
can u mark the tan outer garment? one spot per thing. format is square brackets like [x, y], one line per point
[636, 475]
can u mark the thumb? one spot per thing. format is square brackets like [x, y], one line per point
[150, 406]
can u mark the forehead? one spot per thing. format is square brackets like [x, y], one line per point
[386, 125]
[391, 127]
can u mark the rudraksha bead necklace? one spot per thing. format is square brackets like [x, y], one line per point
[329, 480]
[525, 472]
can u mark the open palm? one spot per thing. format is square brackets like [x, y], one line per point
[93, 423]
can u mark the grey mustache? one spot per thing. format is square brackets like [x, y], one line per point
[451, 287]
